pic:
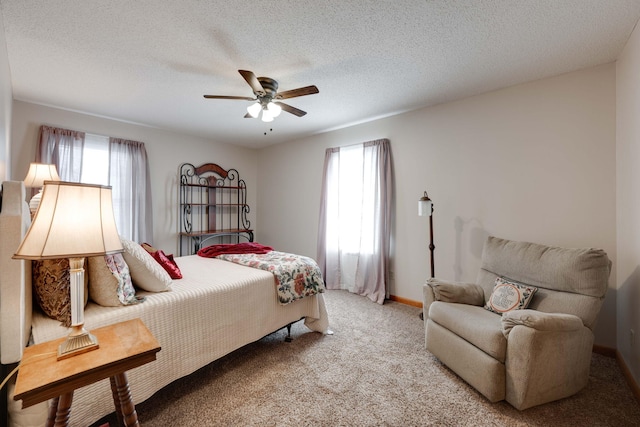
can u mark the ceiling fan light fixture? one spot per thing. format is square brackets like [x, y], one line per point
[274, 109]
[266, 116]
[254, 109]
[265, 90]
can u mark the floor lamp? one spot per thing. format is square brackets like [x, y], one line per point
[425, 208]
[73, 221]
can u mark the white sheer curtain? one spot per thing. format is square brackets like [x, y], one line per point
[355, 211]
[129, 177]
[63, 148]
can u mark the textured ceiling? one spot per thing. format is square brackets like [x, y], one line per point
[150, 61]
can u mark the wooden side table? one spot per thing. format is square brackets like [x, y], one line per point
[123, 346]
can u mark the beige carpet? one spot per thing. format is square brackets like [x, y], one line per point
[373, 372]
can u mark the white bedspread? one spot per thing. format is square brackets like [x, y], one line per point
[216, 308]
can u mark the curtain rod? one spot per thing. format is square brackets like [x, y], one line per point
[365, 144]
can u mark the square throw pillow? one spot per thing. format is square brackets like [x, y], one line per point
[50, 281]
[509, 295]
[110, 282]
[166, 261]
[147, 247]
[146, 273]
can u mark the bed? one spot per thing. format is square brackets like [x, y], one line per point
[216, 308]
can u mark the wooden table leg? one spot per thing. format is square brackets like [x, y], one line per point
[60, 411]
[53, 408]
[116, 400]
[123, 393]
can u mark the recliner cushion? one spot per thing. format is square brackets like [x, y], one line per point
[476, 325]
[574, 270]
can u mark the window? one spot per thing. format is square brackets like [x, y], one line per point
[354, 230]
[351, 201]
[97, 159]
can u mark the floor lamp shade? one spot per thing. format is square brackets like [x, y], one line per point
[73, 221]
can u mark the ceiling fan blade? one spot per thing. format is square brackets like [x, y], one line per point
[248, 116]
[293, 110]
[307, 90]
[252, 80]
[244, 98]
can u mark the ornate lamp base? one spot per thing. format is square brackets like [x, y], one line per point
[79, 341]
[35, 202]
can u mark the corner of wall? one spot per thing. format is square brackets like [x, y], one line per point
[6, 100]
[628, 208]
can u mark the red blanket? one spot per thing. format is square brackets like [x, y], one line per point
[234, 248]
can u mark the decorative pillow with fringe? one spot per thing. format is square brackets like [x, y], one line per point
[509, 295]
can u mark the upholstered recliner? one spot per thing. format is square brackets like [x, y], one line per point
[527, 356]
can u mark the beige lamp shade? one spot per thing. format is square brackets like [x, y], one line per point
[73, 220]
[39, 173]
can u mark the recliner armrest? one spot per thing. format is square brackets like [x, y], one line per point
[540, 321]
[453, 292]
[457, 292]
[427, 299]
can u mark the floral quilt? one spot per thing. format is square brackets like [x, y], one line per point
[297, 276]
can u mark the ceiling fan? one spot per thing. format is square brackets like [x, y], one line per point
[267, 97]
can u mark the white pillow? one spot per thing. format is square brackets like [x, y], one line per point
[146, 273]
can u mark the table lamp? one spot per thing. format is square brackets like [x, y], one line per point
[73, 221]
[37, 175]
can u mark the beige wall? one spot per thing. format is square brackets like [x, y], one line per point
[533, 162]
[166, 151]
[628, 203]
[6, 99]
